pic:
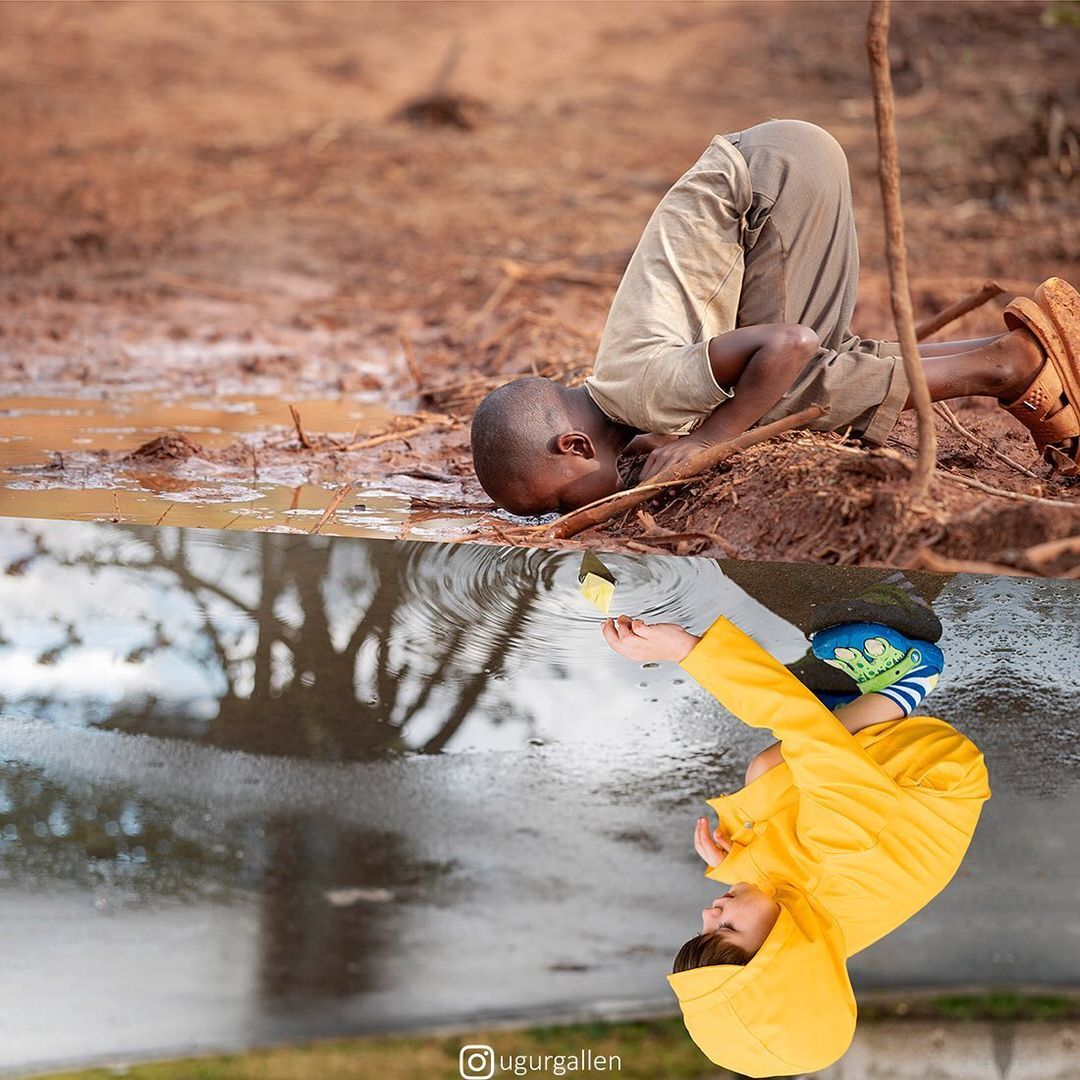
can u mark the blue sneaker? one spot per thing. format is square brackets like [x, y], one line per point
[876, 656]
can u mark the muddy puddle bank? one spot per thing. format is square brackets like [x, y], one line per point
[338, 784]
[218, 462]
[222, 237]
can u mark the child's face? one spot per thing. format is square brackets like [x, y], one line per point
[568, 481]
[744, 915]
[584, 480]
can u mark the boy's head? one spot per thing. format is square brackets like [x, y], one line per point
[539, 446]
[733, 928]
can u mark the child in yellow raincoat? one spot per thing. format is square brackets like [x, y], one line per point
[844, 830]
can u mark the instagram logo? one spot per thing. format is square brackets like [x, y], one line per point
[476, 1062]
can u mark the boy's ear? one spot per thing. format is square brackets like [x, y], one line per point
[575, 442]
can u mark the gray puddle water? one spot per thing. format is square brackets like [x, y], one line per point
[258, 787]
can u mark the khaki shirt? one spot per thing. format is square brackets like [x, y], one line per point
[680, 289]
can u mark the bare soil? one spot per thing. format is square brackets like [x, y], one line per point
[409, 203]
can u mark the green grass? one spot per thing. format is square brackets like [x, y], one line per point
[1006, 1007]
[647, 1048]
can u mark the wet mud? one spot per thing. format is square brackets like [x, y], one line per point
[295, 233]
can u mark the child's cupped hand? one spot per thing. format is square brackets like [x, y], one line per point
[638, 640]
[712, 847]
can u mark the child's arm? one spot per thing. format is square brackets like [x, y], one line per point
[845, 795]
[760, 363]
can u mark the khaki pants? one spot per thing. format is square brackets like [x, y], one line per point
[759, 230]
[801, 265]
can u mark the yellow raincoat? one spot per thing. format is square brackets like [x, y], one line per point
[851, 834]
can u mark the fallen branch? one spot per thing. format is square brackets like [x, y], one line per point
[335, 502]
[932, 325]
[596, 513]
[877, 45]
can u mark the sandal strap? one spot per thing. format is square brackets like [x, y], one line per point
[1024, 313]
[1048, 409]
[1041, 411]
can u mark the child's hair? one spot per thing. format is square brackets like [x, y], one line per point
[511, 429]
[709, 950]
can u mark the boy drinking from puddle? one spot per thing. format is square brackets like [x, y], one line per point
[734, 311]
[846, 827]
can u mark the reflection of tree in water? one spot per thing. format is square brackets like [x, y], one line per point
[326, 891]
[271, 638]
[302, 658]
[90, 835]
[329, 903]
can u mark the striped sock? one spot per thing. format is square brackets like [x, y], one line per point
[909, 691]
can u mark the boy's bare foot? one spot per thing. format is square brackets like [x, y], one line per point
[1024, 358]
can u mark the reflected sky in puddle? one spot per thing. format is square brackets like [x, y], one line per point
[326, 647]
[256, 787]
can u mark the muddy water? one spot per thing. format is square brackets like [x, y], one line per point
[88, 437]
[256, 787]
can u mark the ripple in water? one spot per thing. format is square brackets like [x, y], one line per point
[525, 604]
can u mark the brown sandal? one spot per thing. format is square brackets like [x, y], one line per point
[1050, 407]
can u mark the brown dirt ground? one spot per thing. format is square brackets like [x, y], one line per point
[175, 178]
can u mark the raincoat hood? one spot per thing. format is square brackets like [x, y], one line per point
[790, 1010]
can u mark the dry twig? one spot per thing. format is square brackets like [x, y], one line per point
[926, 559]
[983, 295]
[956, 478]
[410, 359]
[335, 502]
[1040, 554]
[301, 434]
[426, 421]
[952, 420]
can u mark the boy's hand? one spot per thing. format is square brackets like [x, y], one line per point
[642, 641]
[712, 848]
[667, 457]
